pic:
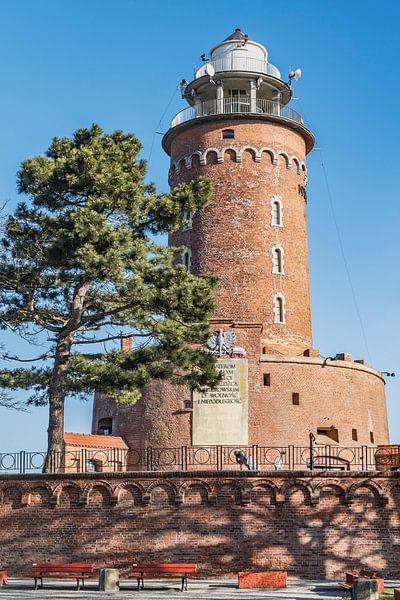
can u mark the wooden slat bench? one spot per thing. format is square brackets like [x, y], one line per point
[181, 571]
[78, 571]
[351, 576]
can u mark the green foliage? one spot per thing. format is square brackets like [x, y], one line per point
[79, 263]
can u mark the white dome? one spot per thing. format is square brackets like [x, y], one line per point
[238, 45]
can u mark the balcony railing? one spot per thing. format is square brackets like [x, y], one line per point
[240, 105]
[244, 63]
[205, 458]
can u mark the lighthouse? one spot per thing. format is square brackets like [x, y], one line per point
[239, 129]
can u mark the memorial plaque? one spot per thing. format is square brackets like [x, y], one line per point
[220, 415]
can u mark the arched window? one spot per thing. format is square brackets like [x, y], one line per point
[187, 217]
[279, 308]
[277, 260]
[187, 259]
[276, 212]
[104, 426]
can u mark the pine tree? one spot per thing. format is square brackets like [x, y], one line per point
[81, 267]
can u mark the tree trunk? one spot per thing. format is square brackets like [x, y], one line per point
[55, 433]
[55, 457]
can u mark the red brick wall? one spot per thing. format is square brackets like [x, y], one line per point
[233, 237]
[343, 394]
[314, 527]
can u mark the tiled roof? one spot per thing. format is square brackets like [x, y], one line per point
[94, 441]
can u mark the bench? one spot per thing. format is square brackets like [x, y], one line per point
[351, 576]
[78, 571]
[333, 463]
[181, 571]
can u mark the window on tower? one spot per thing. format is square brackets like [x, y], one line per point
[187, 217]
[228, 134]
[104, 426]
[276, 211]
[277, 260]
[279, 309]
[187, 259]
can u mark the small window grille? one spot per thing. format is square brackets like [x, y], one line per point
[296, 398]
[267, 379]
[371, 437]
[187, 404]
[228, 134]
[354, 435]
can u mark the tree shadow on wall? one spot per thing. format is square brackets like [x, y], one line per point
[225, 526]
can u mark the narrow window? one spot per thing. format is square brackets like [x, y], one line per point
[354, 435]
[187, 260]
[228, 134]
[264, 350]
[276, 211]
[267, 379]
[277, 260]
[371, 437]
[187, 218]
[279, 310]
[296, 398]
[187, 404]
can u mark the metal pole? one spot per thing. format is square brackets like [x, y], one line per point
[312, 442]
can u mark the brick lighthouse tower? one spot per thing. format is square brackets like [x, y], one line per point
[239, 131]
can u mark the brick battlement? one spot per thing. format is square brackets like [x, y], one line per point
[228, 521]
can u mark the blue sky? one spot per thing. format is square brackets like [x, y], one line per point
[66, 64]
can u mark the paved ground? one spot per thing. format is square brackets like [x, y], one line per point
[18, 589]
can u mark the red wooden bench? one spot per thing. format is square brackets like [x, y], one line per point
[78, 571]
[181, 571]
[351, 576]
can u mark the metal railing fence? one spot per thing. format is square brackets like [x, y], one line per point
[239, 105]
[196, 458]
[244, 63]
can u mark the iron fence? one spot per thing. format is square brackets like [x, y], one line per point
[196, 458]
[241, 104]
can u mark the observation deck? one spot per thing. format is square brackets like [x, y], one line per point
[228, 106]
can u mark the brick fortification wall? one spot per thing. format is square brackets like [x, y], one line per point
[346, 394]
[314, 527]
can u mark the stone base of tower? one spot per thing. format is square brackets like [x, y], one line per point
[341, 401]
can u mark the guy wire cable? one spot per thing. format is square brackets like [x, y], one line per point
[341, 246]
[159, 125]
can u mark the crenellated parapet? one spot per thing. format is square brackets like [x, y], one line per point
[212, 489]
[186, 161]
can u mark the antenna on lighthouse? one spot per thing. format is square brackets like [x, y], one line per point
[295, 75]
[210, 70]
